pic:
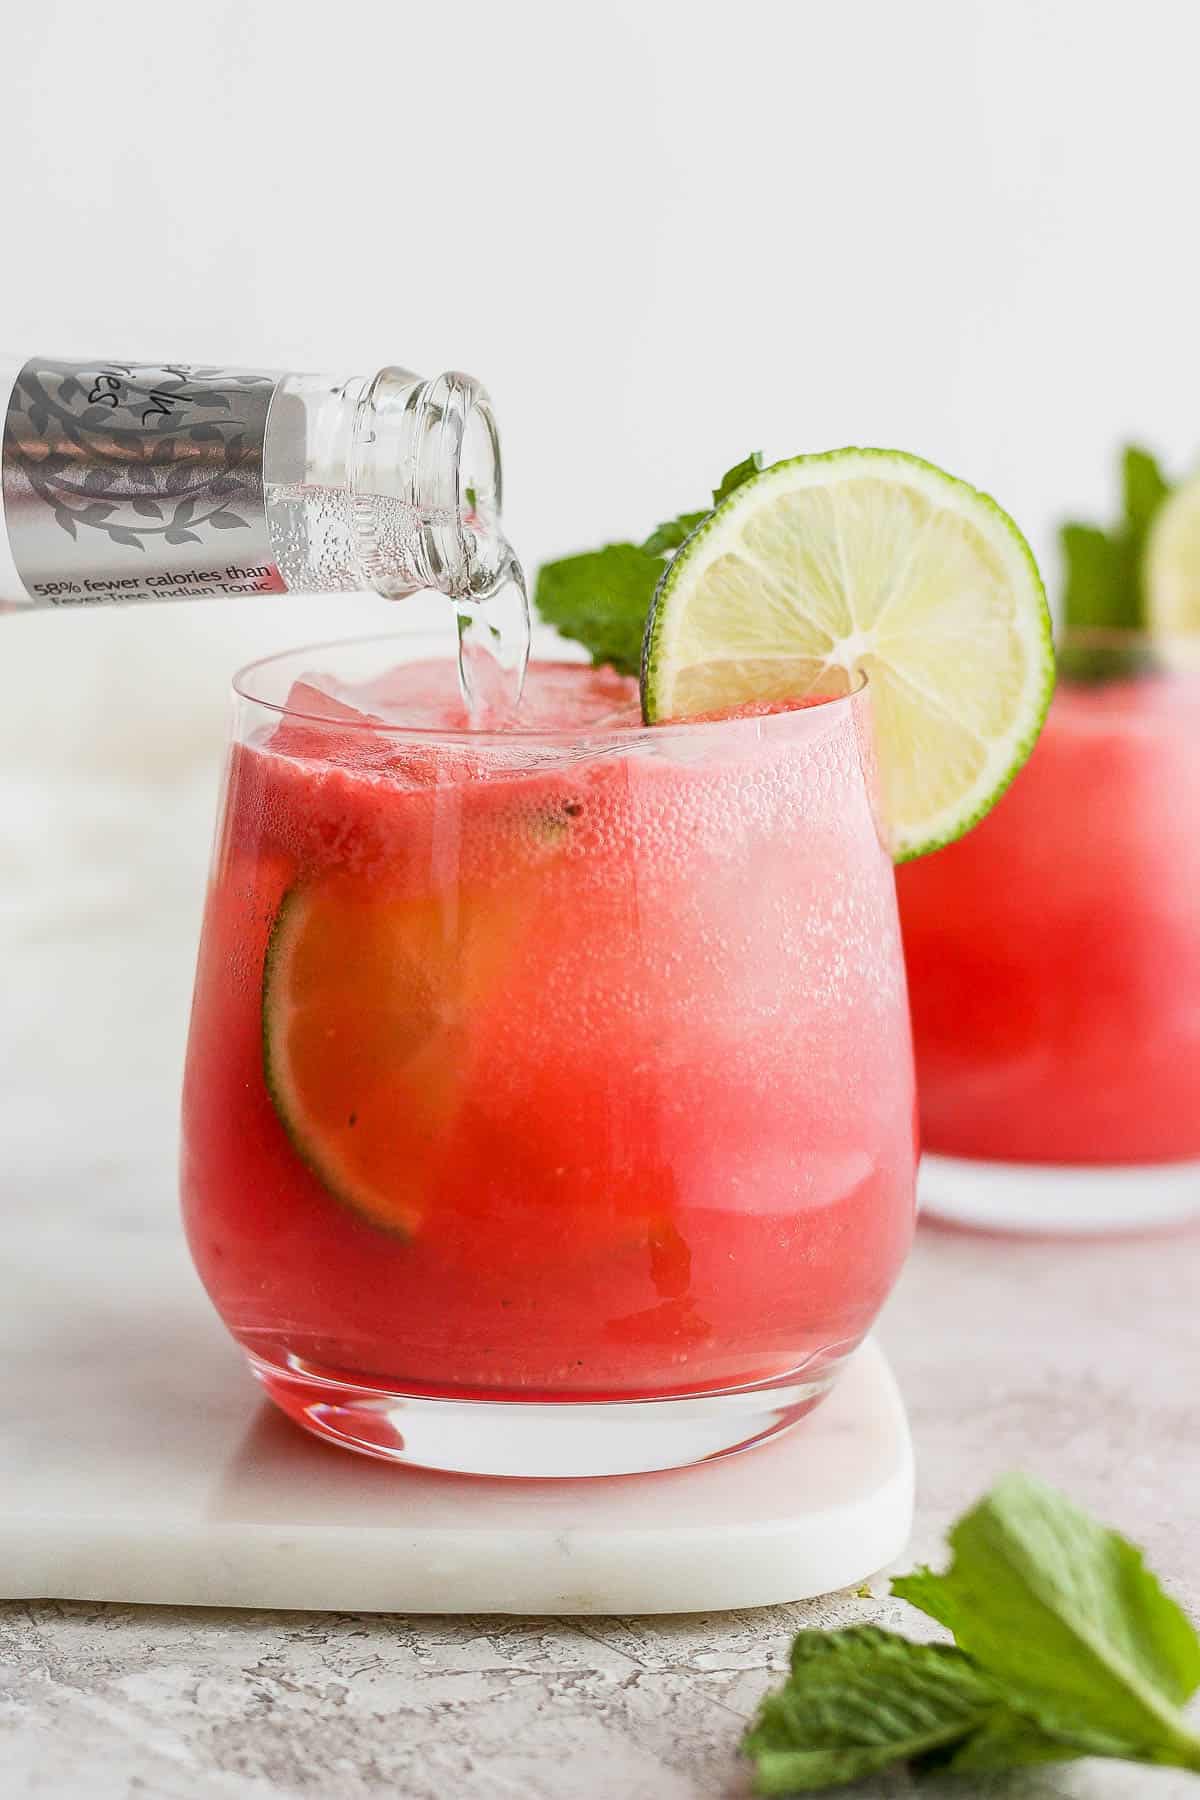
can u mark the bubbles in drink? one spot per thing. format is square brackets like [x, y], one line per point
[314, 538]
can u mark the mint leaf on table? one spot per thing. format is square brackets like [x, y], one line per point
[860, 1700]
[1066, 1646]
[1104, 588]
[1007, 1740]
[1066, 1618]
[601, 598]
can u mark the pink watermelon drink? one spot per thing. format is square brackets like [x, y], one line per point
[1054, 952]
[567, 1064]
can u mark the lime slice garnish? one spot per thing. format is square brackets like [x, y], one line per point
[1172, 568]
[867, 562]
[367, 1006]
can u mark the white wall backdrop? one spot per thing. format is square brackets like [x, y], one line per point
[662, 233]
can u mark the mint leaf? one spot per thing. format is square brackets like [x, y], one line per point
[1144, 488]
[602, 598]
[670, 535]
[1104, 588]
[1066, 1646]
[733, 478]
[1068, 1622]
[858, 1701]
[1007, 1741]
[1097, 594]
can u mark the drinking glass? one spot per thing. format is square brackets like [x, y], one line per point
[1054, 964]
[549, 1101]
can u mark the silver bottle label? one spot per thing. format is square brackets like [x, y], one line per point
[137, 481]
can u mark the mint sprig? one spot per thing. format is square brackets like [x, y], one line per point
[1065, 1646]
[1104, 587]
[601, 598]
[861, 1700]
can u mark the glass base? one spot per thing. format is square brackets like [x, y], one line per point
[538, 1439]
[1059, 1200]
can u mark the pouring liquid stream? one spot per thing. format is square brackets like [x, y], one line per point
[493, 621]
[493, 649]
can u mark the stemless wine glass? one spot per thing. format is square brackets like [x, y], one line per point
[1054, 963]
[549, 1103]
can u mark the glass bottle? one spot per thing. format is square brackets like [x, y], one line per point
[163, 481]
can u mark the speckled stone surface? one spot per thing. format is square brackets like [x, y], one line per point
[1079, 1361]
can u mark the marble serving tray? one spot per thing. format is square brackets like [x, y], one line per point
[139, 1463]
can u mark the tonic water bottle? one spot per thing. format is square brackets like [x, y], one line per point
[169, 481]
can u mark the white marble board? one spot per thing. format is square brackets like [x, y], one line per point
[138, 1463]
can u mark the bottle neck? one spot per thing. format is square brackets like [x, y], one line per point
[424, 475]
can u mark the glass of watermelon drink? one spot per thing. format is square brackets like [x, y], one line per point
[1054, 963]
[549, 1103]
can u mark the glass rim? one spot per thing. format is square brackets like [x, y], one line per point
[819, 705]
